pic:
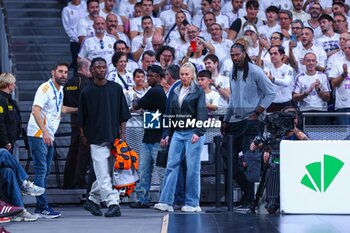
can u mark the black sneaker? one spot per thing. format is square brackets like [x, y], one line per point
[113, 211]
[139, 205]
[93, 208]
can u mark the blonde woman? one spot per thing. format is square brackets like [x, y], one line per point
[186, 103]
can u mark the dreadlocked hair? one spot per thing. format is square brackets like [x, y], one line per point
[245, 63]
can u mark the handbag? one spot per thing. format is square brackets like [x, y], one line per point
[162, 157]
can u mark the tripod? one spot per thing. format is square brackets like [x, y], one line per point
[269, 181]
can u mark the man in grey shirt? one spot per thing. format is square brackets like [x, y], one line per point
[251, 93]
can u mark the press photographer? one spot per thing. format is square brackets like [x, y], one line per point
[279, 126]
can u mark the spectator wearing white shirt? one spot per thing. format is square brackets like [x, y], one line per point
[219, 83]
[121, 46]
[281, 75]
[121, 75]
[221, 19]
[209, 19]
[168, 17]
[71, 15]
[296, 55]
[143, 42]
[112, 28]
[99, 45]
[108, 9]
[285, 19]
[197, 20]
[329, 41]
[297, 27]
[340, 23]
[211, 97]
[311, 90]
[315, 12]
[191, 34]
[232, 9]
[298, 12]
[126, 9]
[340, 81]
[253, 51]
[136, 23]
[222, 46]
[272, 24]
[177, 43]
[85, 27]
[339, 56]
[281, 4]
[174, 31]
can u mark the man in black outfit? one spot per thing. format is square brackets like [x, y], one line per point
[154, 101]
[103, 113]
[78, 156]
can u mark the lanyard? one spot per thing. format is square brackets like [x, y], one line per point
[55, 93]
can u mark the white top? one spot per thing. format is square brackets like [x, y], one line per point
[282, 4]
[268, 31]
[91, 48]
[212, 98]
[135, 24]
[127, 81]
[223, 82]
[183, 92]
[168, 19]
[222, 50]
[303, 16]
[50, 100]
[177, 44]
[194, 6]
[312, 101]
[221, 19]
[130, 66]
[226, 67]
[132, 94]
[299, 53]
[71, 16]
[104, 15]
[328, 43]
[339, 56]
[138, 40]
[342, 92]
[85, 27]
[199, 62]
[283, 83]
[126, 9]
[317, 31]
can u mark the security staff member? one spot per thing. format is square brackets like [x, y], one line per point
[78, 156]
[10, 119]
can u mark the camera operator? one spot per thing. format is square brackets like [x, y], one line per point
[270, 143]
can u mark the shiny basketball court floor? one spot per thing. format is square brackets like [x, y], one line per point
[75, 219]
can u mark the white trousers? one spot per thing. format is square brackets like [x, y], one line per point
[102, 189]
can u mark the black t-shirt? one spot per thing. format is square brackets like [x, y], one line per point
[101, 111]
[153, 100]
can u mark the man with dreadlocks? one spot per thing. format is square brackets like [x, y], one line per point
[251, 93]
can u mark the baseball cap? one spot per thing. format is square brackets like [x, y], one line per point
[249, 28]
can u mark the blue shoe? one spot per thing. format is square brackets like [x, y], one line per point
[47, 213]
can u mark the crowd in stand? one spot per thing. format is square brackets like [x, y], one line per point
[237, 58]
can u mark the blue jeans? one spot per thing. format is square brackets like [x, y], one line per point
[42, 157]
[147, 159]
[10, 189]
[343, 120]
[180, 146]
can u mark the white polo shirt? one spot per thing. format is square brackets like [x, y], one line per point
[92, 48]
[50, 100]
[342, 92]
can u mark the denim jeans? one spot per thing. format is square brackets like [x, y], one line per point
[10, 190]
[343, 120]
[147, 159]
[180, 146]
[42, 157]
[9, 161]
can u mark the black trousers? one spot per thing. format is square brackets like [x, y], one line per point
[77, 161]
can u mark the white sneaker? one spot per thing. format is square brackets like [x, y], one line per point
[25, 216]
[31, 189]
[163, 207]
[188, 208]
